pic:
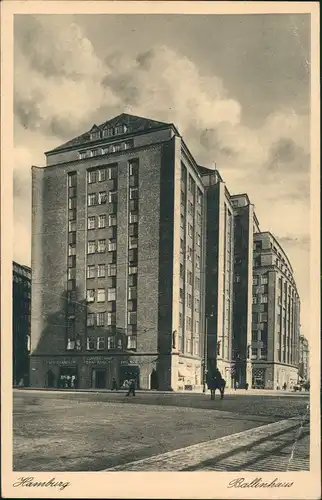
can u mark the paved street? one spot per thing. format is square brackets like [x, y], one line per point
[80, 431]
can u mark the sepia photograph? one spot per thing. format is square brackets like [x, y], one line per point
[161, 281]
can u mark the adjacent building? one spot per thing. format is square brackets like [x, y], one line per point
[304, 359]
[276, 316]
[21, 308]
[245, 226]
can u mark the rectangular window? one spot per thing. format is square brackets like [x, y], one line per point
[182, 221]
[189, 300]
[196, 326]
[254, 299]
[133, 217]
[72, 178]
[112, 173]
[110, 343]
[264, 280]
[101, 271]
[101, 221]
[112, 245]
[181, 245]
[181, 295]
[71, 261]
[180, 320]
[91, 247]
[197, 305]
[112, 221]
[132, 280]
[237, 278]
[190, 230]
[264, 299]
[199, 197]
[112, 196]
[189, 275]
[91, 177]
[101, 247]
[134, 193]
[191, 184]
[255, 281]
[90, 343]
[100, 319]
[90, 271]
[91, 222]
[101, 295]
[71, 249]
[101, 175]
[198, 239]
[190, 208]
[111, 294]
[197, 261]
[263, 317]
[131, 318]
[133, 242]
[182, 271]
[90, 295]
[188, 322]
[111, 269]
[198, 216]
[133, 269]
[111, 319]
[91, 199]
[131, 342]
[71, 225]
[72, 203]
[197, 283]
[189, 255]
[100, 343]
[90, 319]
[71, 273]
[133, 167]
[102, 197]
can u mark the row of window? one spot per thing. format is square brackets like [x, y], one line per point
[259, 317]
[102, 174]
[101, 198]
[112, 148]
[260, 299]
[102, 343]
[107, 131]
[191, 184]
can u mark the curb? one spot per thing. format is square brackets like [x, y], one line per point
[191, 456]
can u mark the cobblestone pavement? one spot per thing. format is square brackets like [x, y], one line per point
[87, 432]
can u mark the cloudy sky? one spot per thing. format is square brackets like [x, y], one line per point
[237, 87]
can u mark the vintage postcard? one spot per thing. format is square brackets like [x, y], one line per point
[160, 258]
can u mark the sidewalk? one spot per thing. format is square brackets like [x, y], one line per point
[282, 446]
[238, 392]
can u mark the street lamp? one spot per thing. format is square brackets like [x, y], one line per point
[205, 355]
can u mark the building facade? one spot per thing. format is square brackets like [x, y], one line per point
[304, 359]
[118, 260]
[21, 310]
[219, 274]
[245, 226]
[275, 316]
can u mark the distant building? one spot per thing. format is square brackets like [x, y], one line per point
[245, 226]
[21, 307]
[276, 316]
[304, 360]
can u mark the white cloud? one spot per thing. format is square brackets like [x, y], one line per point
[68, 85]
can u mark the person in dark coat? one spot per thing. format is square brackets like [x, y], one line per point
[219, 383]
[131, 387]
[114, 386]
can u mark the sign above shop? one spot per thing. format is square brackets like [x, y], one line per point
[61, 362]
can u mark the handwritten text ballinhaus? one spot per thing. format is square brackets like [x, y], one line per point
[29, 481]
[258, 482]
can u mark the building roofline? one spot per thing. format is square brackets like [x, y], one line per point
[280, 246]
[60, 149]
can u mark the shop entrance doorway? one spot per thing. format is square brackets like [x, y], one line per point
[98, 378]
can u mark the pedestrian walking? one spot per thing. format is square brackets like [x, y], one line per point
[246, 386]
[285, 386]
[131, 387]
[114, 385]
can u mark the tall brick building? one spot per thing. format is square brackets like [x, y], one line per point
[276, 316]
[245, 226]
[143, 267]
[118, 259]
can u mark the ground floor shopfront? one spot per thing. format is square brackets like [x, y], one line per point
[273, 376]
[170, 372]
